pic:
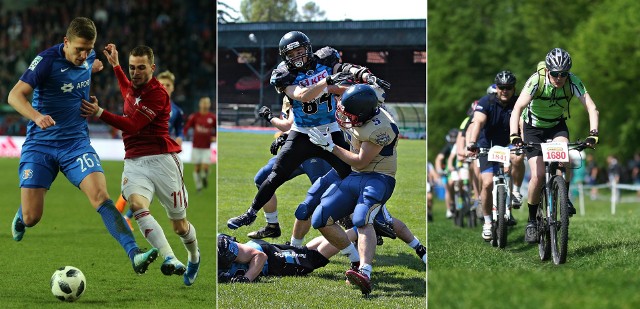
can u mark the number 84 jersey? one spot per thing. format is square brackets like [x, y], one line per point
[319, 111]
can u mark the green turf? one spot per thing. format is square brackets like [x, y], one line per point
[398, 274]
[72, 233]
[600, 272]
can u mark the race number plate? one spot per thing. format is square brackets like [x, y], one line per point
[555, 152]
[499, 154]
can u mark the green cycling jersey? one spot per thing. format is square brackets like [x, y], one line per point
[547, 107]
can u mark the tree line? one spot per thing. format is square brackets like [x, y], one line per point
[470, 41]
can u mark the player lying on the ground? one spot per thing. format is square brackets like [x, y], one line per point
[245, 262]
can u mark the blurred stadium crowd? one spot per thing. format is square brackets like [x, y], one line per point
[181, 33]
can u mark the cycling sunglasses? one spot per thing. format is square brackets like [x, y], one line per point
[559, 73]
[505, 87]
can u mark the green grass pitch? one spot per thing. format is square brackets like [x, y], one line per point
[398, 274]
[601, 269]
[72, 233]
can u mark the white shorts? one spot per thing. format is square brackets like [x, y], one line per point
[201, 155]
[161, 175]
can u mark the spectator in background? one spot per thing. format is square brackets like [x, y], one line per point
[591, 176]
[203, 123]
[613, 170]
[183, 23]
[634, 166]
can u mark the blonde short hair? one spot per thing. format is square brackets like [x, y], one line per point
[167, 75]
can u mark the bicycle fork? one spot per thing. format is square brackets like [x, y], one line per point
[501, 180]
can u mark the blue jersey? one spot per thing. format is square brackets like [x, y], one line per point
[176, 121]
[496, 127]
[319, 111]
[58, 89]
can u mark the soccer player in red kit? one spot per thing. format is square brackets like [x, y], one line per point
[203, 123]
[151, 163]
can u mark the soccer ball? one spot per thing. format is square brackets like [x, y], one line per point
[68, 283]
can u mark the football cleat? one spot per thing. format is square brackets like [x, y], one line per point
[171, 266]
[360, 280]
[270, 230]
[17, 228]
[421, 251]
[244, 219]
[383, 228]
[141, 260]
[191, 273]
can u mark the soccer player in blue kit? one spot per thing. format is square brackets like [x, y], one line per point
[58, 137]
[308, 79]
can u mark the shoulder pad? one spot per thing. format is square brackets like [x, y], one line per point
[327, 55]
[281, 77]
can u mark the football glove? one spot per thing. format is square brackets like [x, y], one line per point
[224, 277]
[338, 78]
[323, 141]
[372, 80]
[592, 140]
[515, 139]
[278, 143]
[265, 112]
[240, 279]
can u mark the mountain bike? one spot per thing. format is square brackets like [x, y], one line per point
[552, 217]
[501, 193]
[464, 210]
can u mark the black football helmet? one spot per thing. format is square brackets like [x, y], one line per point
[358, 105]
[291, 41]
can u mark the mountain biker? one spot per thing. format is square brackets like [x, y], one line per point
[546, 95]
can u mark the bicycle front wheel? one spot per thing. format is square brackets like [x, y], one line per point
[560, 221]
[501, 228]
[542, 222]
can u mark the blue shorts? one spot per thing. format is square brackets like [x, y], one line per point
[360, 193]
[314, 168]
[40, 162]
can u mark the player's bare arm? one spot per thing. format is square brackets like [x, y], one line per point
[360, 160]
[253, 257]
[97, 66]
[18, 100]
[111, 53]
[90, 108]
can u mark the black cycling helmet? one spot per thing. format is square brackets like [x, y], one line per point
[452, 135]
[359, 104]
[558, 59]
[291, 41]
[505, 78]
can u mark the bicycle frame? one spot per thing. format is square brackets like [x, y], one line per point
[501, 193]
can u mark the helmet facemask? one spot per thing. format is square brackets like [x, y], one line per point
[345, 119]
[297, 60]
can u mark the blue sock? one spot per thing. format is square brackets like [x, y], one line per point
[117, 227]
[129, 213]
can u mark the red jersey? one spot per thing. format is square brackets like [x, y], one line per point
[145, 123]
[204, 126]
